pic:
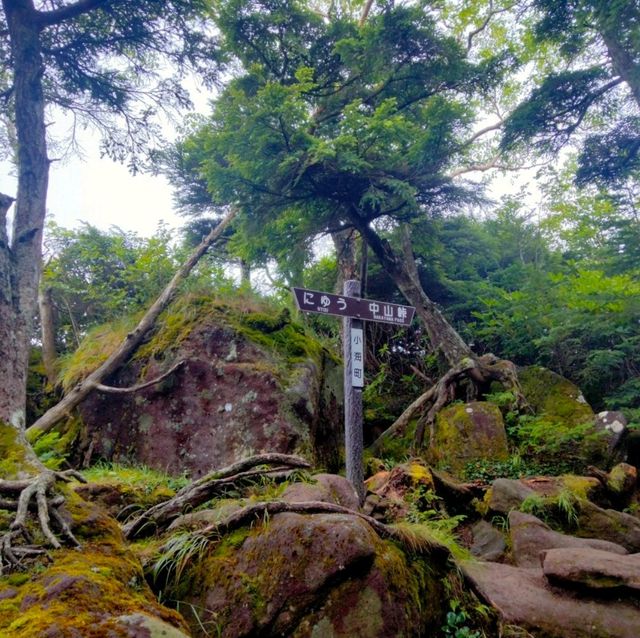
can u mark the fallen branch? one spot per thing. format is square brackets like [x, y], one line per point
[204, 489]
[141, 386]
[132, 340]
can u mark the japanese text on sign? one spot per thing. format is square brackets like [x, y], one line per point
[357, 357]
[343, 306]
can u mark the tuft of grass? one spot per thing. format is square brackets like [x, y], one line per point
[560, 508]
[138, 477]
[180, 551]
[97, 345]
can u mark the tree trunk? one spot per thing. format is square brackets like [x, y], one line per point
[245, 273]
[21, 261]
[443, 336]
[345, 245]
[621, 59]
[48, 333]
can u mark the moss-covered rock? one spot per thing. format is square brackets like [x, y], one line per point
[468, 432]
[86, 593]
[252, 380]
[555, 397]
[310, 575]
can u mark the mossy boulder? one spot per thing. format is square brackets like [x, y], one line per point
[555, 397]
[94, 592]
[250, 382]
[310, 575]
[468, 432]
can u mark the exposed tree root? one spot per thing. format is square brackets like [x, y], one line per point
[258, 511]
[204, 489]
[35, 495]
[475, 372]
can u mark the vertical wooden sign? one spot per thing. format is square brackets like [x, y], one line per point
[353, 353]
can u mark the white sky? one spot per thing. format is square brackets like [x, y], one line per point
[103, 193]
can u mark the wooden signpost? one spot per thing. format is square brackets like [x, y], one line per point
[354, 311]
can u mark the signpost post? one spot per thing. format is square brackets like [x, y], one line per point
[354, 311]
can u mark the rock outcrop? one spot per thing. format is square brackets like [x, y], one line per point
[531, 537]
[311, 575]
[246, 385]
[94, 592]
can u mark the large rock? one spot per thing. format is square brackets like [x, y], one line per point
[608, 524]
[613, 426]
[391, 492]
[488, 543]
[524, 598]
[245, 387]
[592, 569]
[312, 576]
[554, 396]
[327, 488]
[530, 537]
[469, 432]
[505, 495]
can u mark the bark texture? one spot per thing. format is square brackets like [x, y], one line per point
[21, 260]
[48, 334]
[443, 336]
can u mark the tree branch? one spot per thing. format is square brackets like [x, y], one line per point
[492, 12]
[56, 16]
[141, 386]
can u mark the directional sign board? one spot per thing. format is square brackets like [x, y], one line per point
[342, 306]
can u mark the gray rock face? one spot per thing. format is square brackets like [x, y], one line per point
[613, 426]
[217, 408]
[588, 568]
[524, 598]
[508, 494]
[328, 488]
[143, 626]
[609, 524]
[530, 537]
[488, 542]
[467, 433]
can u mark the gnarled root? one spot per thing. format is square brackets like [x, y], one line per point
[477, 372]
[35, 495]
[160, 516]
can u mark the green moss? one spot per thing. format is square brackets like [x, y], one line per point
[99, 343]
[80, 592]
[468, 431]
[554, 396]
[14, 454]
[580, 486]
[258, 321]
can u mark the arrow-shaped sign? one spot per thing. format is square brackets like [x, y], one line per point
[327, 303]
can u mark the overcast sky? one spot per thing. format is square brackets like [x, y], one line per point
[102, 192]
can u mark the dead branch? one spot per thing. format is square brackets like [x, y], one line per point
[132, 340]
[141, 386]
[204, 489]
[257, 512]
